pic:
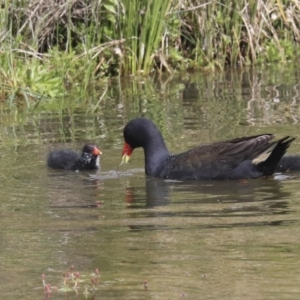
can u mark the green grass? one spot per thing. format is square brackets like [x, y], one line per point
[50, 47]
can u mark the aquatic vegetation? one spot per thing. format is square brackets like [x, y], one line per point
[78, 283]
[73, 282]
[29, 80]
[143, 27]
[50, 47]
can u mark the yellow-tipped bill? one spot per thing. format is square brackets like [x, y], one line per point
[126, 153]
[96, 151]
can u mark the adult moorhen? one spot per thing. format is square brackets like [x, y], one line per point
[240, 158]
[70, 160]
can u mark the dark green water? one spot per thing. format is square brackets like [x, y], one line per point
[198, 240]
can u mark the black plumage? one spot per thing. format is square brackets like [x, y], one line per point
[70, 160]
[240, 158]
[289, 163]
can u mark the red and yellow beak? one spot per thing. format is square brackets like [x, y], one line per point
[96, 151]
[127, 150]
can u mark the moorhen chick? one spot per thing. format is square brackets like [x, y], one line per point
[288, 163]
[240, 158]
[70, 160]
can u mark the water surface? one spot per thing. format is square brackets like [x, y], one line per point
[198, 240]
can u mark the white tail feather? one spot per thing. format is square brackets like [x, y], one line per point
[264, 156]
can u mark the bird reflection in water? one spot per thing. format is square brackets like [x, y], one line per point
[239, 200]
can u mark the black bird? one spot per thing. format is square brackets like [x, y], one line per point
[289, 163]
[240, 158]
[70, 160]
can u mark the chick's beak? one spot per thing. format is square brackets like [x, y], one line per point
[96, 151]
[127, 150]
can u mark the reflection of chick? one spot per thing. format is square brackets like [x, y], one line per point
[70, 160]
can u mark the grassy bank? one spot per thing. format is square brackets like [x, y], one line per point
[50, 47]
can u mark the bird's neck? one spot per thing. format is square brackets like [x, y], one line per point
[156, 153]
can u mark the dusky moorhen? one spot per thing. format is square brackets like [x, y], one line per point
[240, 158]
[70, 160]
[289, 163]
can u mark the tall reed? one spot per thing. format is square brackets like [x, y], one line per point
[48, 46]
[142, 26]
